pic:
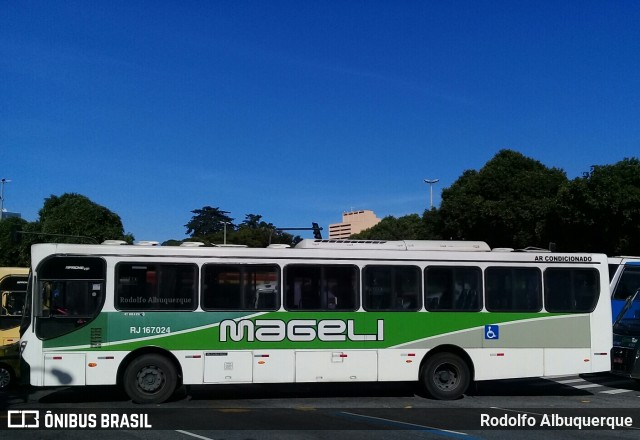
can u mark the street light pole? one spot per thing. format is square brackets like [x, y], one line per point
[3, 181]
[431, 182]
[225, 231]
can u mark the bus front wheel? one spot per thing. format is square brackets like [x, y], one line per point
[151, 378]
[446, 376]
[6, 377]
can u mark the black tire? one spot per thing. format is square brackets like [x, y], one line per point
[150, 378]
[446, 376]
[7, 377]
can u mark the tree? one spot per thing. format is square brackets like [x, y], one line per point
[600, 212]
[254, 232]
[73, 218]
[431, 225]
[408, 227]
[11, 252]
[508, 203]
[70, 218]
[252, 221]
[208, 225]
[208, 221]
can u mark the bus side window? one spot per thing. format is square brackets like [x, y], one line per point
[240, 287]
[450, 288]
[571, 290]
[513, 289]
[320, 287]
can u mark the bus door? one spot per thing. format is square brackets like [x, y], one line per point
[69, 297]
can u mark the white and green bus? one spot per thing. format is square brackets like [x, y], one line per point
[445, 313]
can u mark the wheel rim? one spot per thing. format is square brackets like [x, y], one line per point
[5, 377]
[446, 377]
[150, 379]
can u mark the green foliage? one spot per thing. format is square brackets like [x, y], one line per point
[508, 203]
[515, 201]
[208, 226]
[70, 218]
[73, 218]
[207, 221]
[408, 227]
[254, 232]
[11, 253]
[600, 212]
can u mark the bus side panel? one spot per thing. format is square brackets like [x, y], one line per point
[506, 363]
[558, 361]
[399, 364]
[64, 369]
[192, 366]
[336, 366]
[102, 367]
[274, 366]
[228, 366]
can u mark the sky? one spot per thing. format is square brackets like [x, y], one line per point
[301, 110]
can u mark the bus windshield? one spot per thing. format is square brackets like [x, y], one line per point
[628, 320]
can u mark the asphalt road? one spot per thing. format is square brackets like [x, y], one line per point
[534, 408]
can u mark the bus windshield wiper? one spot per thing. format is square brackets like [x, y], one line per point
[625, 308]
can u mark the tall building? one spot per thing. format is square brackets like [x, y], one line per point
[352, 223]
[7, 214]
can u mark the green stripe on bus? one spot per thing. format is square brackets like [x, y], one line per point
[119, 331]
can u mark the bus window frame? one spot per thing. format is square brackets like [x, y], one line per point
[67, 323]
[277, 293]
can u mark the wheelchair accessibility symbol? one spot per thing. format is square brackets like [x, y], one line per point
[492, 331]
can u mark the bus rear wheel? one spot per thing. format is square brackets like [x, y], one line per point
[446, 376]
[151, 378]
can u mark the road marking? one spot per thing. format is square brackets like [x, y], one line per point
[569, 381]
[616, 391]
[515, 410]
[589, 385]
[431, 429]
[193, 435]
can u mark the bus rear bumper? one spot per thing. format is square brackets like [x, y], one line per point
[625, 362]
